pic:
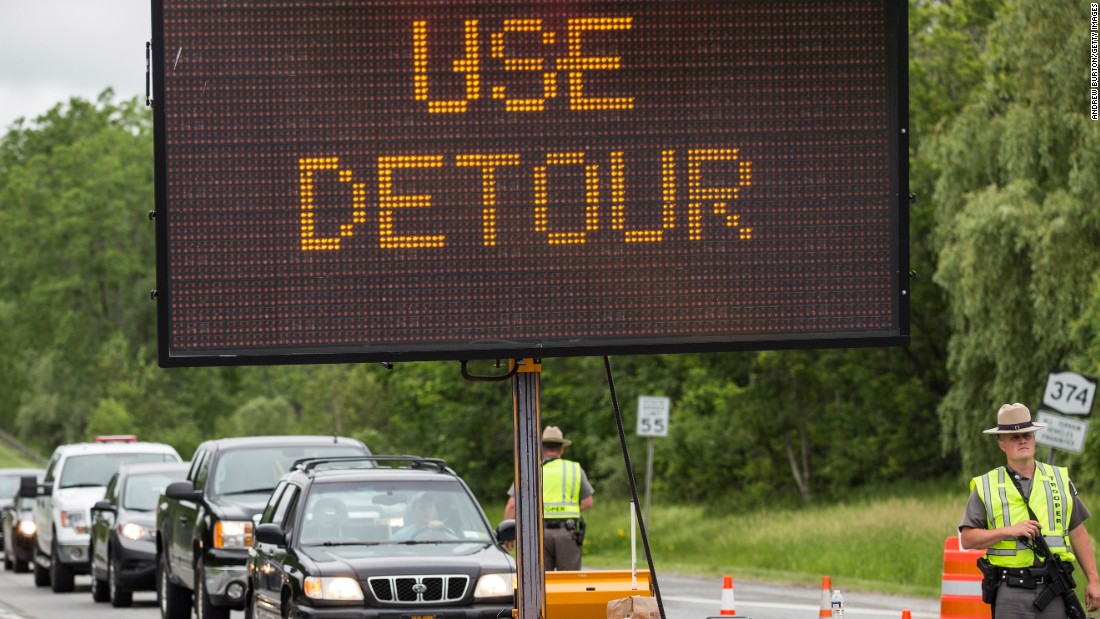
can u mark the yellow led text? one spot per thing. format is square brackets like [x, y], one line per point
[306, 168]
[719, 197]
[700, 196]
[388, 202]
[488, 165]
[573, 63]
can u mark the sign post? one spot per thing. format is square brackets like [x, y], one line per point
[652, 421]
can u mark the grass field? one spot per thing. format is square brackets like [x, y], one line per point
[887, 544]
[11, 458]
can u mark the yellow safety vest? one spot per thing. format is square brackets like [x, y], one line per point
[1004, 506]
[561, 489]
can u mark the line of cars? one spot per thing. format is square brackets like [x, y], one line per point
[279, 526]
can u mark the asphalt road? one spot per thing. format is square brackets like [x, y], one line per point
[683, 598]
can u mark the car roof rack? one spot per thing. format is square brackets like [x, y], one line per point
[415, 462]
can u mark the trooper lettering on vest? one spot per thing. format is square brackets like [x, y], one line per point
[561, 489]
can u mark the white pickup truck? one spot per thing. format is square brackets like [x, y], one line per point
[76, 477]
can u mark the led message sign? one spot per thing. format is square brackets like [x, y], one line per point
[358, 180]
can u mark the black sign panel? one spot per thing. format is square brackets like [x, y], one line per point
[367, 180]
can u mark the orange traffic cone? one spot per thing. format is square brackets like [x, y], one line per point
[905, 614]
[826, 611]
[727, 597]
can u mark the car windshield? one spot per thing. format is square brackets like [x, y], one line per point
[142, 491]
[97, 469]
[350, 513]
[257, 470]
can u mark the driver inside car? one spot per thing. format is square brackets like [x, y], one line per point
[423, 521]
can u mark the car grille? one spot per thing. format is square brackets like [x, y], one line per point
[419, 589]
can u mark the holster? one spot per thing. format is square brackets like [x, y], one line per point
[577, 528]
[991, 579]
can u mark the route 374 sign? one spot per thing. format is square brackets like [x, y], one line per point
[1069, 393]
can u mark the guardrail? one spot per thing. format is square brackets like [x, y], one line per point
[14, 443]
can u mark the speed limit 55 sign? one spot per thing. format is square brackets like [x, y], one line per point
[1069, 393]
[652, 415]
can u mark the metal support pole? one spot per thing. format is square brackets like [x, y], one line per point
[531, 582]
[648, 477]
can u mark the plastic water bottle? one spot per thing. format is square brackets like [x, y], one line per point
[837, 604]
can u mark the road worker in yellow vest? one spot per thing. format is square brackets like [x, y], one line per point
[566, 492]
[998, 520]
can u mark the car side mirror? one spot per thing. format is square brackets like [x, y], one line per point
[183, 491]
[270, 533]
[104, 506]
[28, 487]
[506, 531]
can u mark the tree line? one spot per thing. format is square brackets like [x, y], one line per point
[1004, 238]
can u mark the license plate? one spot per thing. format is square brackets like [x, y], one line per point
[421, 616]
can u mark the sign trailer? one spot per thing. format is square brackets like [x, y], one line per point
[402, 180]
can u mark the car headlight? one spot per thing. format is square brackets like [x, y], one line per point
[133, 530]
[233, 534]
[27, 528]
[75, 520]
[333, 588]
[494, 586]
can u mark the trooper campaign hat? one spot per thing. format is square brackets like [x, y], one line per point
[552, 434]
[1015, 419]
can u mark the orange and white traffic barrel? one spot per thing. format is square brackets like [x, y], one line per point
[961, 592]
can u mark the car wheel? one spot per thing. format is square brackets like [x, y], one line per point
[286, 607]
[61, 575]
[41, 575]
[21, 565]
[119, 598]
[203, 608]
[249, 606]
[175, 601]
[99, 587]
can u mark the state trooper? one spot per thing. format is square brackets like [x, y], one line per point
[566, 492]
[1001, 521]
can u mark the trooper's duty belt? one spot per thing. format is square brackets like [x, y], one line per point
[560, 523]
[1024, 577]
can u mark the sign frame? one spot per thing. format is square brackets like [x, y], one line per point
[503, 344]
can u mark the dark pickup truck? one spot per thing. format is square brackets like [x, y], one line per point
[204, 524]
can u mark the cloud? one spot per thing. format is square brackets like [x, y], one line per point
[51, 50]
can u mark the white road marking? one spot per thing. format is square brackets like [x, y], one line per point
[806, 609]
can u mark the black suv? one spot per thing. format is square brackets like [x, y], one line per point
[204, 524]
[385, 536]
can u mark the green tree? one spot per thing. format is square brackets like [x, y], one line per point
[1018, 229]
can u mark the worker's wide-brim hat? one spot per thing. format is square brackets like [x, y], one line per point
[552, 434]
[1015, 419]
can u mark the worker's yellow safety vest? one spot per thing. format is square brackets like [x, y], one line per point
[1004, 506]
[561, 489]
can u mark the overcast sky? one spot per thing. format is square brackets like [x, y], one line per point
[51, 50]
